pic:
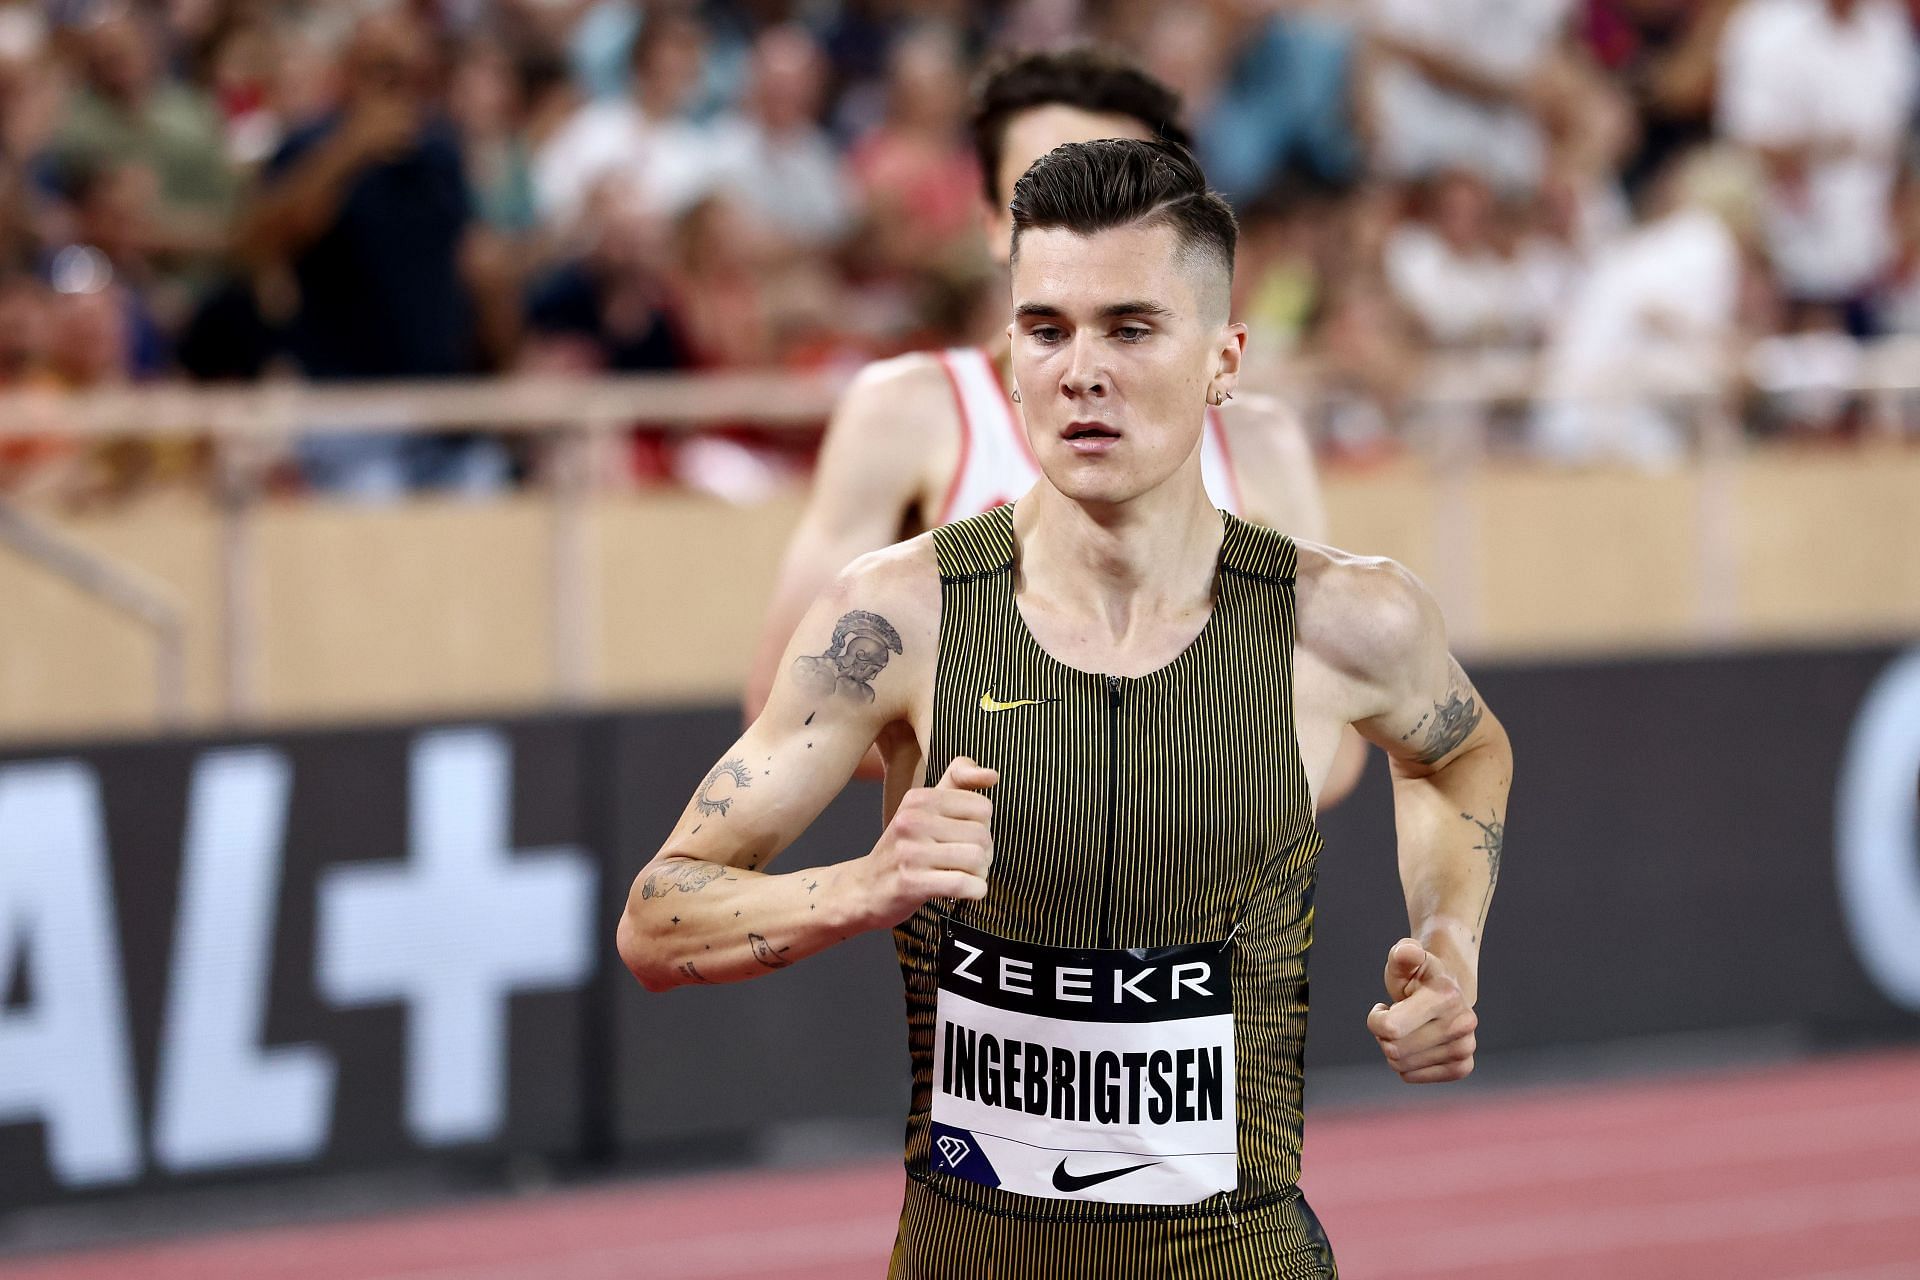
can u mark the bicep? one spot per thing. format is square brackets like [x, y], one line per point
[1431, 720]
[1420, 706]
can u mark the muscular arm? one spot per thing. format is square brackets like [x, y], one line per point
[706, 908]
[1380, 630]
[870, 471]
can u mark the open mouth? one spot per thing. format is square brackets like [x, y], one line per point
[1090, 431]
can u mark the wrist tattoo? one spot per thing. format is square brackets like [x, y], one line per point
[862, 643]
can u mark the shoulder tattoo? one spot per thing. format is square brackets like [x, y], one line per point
[862, 643]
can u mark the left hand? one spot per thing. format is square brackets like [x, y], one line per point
[1427, 1033]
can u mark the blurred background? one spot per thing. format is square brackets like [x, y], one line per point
[403, 408]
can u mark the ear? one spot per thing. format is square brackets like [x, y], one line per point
[1230, 354]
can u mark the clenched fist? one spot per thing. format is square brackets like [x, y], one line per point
[939, 845]
[1427, 1032]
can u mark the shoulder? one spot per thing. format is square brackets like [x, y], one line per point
[1362, 615]
[1274, 465]
[898, 401]
[918, 376]
[1269, 424]
[899, 586]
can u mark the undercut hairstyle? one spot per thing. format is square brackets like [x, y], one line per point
[1084, 78]
[1089, 187]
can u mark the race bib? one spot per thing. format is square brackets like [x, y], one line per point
[1085, 1075]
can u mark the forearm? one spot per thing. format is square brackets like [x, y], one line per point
[491, 273]
[1451, 826]
[1450, 73]
[298, 207]
[689, 921]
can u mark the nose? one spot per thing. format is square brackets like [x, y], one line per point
[1084, 376]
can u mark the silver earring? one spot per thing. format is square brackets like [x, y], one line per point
[1016, 395]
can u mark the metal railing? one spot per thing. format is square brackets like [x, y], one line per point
[575, 417]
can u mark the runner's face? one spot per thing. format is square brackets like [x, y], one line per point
[1117, 341]
[1032, 134]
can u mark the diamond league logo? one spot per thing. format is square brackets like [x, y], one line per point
[1877, 832]
[953, 1150]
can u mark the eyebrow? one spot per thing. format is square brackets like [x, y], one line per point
[1112, 310]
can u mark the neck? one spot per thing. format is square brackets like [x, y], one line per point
[1114, 564]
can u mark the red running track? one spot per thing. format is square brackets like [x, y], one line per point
[1809, 1172]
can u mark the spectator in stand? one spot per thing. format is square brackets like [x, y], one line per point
[1466, 279]
[113, 207]
[1660, 307]
[487, 103]
[1484, 85]
[774, 156]
[1270, 89]
[1823, 92]
[1664, 54]
[720, 274]
[916, 172]
[644, 137]
[608, 310]
[1896, 301]
[23, 330]
[128, 112]
[28, 464]
[369, 209]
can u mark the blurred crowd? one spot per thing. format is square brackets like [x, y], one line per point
[234, 189]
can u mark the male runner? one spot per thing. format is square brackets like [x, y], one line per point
[1104, 962]
[930, 437]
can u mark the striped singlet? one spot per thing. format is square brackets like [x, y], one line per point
[996, 461]
[1164, 809]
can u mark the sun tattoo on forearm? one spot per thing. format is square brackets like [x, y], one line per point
[1450, 723]
[722, 787]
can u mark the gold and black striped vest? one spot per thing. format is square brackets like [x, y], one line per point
[1150, 811]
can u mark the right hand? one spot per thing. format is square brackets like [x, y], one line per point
[939, 845]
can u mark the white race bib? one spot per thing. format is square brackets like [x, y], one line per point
[1085, 1075]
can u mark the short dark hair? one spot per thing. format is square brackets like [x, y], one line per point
[1086, 78]
[1087, 187]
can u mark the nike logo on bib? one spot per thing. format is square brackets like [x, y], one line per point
[1064, 1181]
[987, 703]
